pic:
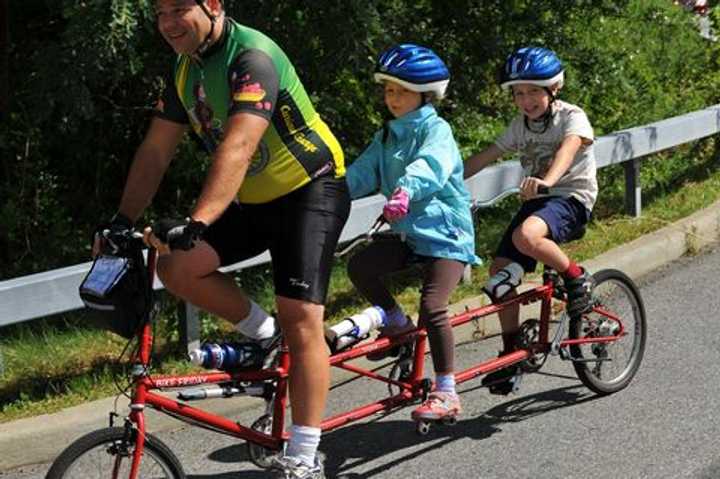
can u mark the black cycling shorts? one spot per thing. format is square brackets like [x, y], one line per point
[301, 230]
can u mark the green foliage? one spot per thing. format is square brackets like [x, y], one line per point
[85, 74]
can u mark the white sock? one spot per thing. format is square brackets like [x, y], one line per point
[303, 443]
[445, 383]
[258, 324]
[395, 317]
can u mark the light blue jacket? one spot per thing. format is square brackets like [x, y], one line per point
[420, 155]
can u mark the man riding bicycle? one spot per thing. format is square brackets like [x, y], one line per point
[275, 183]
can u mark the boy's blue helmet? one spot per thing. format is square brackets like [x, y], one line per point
[414, 67]
[535, 65]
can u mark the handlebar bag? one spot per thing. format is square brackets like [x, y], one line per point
[116, 291]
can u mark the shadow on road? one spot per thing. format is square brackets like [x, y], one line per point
[352, 446]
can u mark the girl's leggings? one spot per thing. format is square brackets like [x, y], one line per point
[440, 276]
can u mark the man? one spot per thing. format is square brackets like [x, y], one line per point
[275, 182]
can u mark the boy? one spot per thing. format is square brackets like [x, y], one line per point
[554, 141]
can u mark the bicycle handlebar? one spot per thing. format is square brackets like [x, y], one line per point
[542, 190]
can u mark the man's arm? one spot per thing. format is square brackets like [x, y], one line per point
[480, 160]
[231, 159]
[151, 161]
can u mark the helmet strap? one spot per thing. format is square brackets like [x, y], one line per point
[208, 38]
[546, 117]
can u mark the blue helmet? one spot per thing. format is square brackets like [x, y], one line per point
[535, 65]
[414, 67]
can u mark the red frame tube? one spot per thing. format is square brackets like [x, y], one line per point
[408, 390]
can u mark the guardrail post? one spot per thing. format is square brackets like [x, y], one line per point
[189, 326]
[633, 199]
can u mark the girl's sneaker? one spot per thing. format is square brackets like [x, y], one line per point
[439, 405]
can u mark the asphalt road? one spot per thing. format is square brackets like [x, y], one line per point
[664, 425]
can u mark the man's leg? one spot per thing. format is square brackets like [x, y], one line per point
[192, 275]
[302, 325]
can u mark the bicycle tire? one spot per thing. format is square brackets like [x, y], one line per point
[617, 294]
[158, 460]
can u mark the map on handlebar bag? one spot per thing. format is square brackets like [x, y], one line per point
[104, 275]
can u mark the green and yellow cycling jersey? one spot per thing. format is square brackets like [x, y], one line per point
[246, 72]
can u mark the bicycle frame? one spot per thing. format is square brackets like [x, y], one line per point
[409, 390]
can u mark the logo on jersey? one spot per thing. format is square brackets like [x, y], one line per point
[201, 115]
[246, 92]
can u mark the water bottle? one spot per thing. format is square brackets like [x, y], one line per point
[355, 328]
[227, 355]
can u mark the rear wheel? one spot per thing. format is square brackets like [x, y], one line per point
[107, 453]
[608, 367]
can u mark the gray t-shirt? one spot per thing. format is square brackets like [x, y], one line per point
[537, 150]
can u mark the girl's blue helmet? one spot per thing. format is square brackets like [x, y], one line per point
[535, 65]
[414, 67]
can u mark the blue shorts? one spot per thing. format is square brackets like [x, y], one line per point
[563, 216]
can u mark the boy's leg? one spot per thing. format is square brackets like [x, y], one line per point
[509, 316]
[538, 237]
[499, 382]
[532, 239]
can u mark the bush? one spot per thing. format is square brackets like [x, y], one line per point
[84, 77]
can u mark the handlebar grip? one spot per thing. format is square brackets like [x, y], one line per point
[543, 190]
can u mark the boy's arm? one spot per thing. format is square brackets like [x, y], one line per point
[480, 160]
[562, 160]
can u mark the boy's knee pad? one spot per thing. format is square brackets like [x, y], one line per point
[505, 280]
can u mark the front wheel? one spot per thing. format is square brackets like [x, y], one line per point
[608, 367]
[107, 453]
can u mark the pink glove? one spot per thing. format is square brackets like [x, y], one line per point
[397, 206]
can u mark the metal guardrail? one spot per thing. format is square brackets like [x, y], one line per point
[51, 292]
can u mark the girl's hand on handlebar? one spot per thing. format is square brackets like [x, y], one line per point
[531, 187]
[397, 206]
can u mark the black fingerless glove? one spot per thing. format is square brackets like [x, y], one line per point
[113, 233]
[179, 234]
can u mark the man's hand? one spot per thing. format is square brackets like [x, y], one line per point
[111, 235]
[530, 186]
[169, 234]
[397, 206]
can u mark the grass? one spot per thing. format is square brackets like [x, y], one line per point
[55, 363]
